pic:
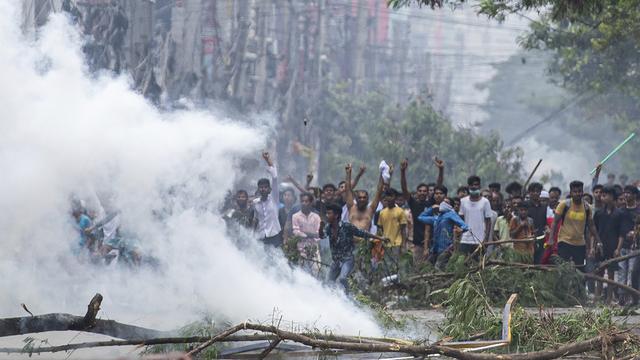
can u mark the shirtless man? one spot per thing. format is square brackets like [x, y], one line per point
[361, 211]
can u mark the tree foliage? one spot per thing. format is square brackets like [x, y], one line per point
[594, 46]
[557, 9]
[372, 130]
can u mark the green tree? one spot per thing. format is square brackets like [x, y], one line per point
[594, 46]
[371, 130]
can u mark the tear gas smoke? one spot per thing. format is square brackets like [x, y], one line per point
[65, 133]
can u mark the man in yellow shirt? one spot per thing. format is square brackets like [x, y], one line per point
[574, 219]
[392, 222]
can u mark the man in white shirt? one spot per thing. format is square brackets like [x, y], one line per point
[476, 212]
[267, 206]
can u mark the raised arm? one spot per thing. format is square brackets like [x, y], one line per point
[596, 176]
[296, 184]
[361, 172]
[440, 165]
[403, 179]
[309, 180]
[275, 192]
[348, 189]
[376, 198]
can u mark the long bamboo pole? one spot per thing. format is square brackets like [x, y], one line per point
[614, 151]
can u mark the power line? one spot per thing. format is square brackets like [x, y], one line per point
[551, 116]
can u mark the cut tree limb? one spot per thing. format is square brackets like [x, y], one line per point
[138, 342]
[594, 344]
[217, 338]
[64, 322]
[628, 289]
[266, 351]
[603, 265]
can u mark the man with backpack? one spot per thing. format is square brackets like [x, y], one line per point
[573, 222]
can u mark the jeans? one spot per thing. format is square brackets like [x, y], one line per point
[623, 275]
[340, 271]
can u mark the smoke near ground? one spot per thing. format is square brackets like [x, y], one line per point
[64, 134]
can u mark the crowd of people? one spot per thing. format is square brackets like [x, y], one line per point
[541, 225]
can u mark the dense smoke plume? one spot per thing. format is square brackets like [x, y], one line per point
[65, 133]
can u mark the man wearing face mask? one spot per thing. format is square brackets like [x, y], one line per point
[476, 213]
[243, 212]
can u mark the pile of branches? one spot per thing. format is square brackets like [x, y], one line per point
[611, 343]
[502, 273]
[469, 315]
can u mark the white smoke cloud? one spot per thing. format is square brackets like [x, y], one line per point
[64, 132]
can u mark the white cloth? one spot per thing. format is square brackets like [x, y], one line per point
[345, 213]
[444, 207]
[267, 211]
[110, 228]
[374, 227]
[550, 212]
[385, 171]
[474, 212]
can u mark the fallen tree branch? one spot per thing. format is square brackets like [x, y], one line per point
[520, 265]
[266, 351]
[627, 288]
[512, 241]
[603, 265]
[187, 340]
[422, 350]
[137, 342]
[356, 344]
[217, 338]
[87, 323]
[64, 322]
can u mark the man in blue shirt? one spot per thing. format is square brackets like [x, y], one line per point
[442, 219]
[83, 222]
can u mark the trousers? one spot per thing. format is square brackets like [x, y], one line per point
[340, 271]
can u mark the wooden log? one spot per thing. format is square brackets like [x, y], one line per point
[593, 344]
[628, 289]
[88, 323]
[266, 351]
[603, 265]
[63, 322]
